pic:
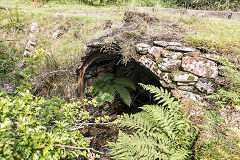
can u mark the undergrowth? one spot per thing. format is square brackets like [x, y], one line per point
[160, 131]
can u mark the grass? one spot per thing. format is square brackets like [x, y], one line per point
[221, 35]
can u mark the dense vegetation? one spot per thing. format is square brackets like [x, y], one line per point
[196, 4]
[162, 131]
[32, 127]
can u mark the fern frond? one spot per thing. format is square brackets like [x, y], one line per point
[161, 133]
[124, 94]
[106, 77]
[162, 96]
[105, 97]
[125, 82]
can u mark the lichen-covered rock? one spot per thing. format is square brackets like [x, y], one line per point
[200, 66]
[150, 64]
[205, 85]
[156, 51]
[165, 44]
[186, 88]
[143, 48]
[180, 49]
[168, 65]
[172, 55]
[180, 76]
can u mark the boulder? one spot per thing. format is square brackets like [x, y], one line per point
[200, 66]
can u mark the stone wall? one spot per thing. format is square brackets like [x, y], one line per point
[186, 71]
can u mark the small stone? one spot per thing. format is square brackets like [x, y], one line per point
[56, 34]
[180, 76]
[180, 49]
[30, 45]
[143, 48]
[156, 51]
[192, 54]
[27, 54]
[34, 27]
[169, 65]
[186, 88]
[200, 66]
[206, 86]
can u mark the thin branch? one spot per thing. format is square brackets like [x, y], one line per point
[79, 148]
[7, 40]
[89, 124]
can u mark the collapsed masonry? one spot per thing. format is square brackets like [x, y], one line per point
[185, 71]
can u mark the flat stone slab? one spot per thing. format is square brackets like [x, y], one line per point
[180, 49]
[200, 66]
[179, 76]
[165, 44]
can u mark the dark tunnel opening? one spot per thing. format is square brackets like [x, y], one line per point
[133, 70]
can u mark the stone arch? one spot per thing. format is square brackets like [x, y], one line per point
[186, 72]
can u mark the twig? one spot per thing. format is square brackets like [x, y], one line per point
[7, 40]
[89, 124]
[79, 148]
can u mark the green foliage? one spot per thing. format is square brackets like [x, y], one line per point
[209, 4]
[7, 63]
[32, 127]
[162, 132]
[108, 86]
[11, 19]
[230, 94]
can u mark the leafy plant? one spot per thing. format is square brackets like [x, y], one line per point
[162, 132]
[108, 87]
[230, 94]
[35, 128]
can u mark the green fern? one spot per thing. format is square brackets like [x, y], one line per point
[107, 88]
[229, 94]
[161, 132]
